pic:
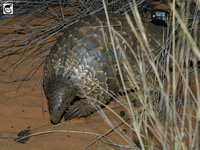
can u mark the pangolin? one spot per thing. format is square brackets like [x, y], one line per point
[85, 63]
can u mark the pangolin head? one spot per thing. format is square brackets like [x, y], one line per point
[59, 96]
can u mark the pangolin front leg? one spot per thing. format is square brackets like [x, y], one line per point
[79, 109]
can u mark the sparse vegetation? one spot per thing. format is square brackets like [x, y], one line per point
[162, 115]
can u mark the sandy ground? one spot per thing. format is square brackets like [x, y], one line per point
[25, 108]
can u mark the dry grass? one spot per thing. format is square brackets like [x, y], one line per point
[172, 118]
[170, 112]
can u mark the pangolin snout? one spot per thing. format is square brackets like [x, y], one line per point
[56, 113]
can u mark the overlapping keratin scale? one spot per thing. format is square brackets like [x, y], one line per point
[85, 58]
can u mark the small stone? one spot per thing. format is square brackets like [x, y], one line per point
[124, 131]
[122, 113]
[22, 134]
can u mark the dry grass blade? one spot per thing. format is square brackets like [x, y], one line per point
[163, 112]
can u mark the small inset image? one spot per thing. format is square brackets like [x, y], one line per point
[8, 8]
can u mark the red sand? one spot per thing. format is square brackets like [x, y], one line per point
[26, 108]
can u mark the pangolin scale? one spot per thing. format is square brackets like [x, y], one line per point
[83, 65]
